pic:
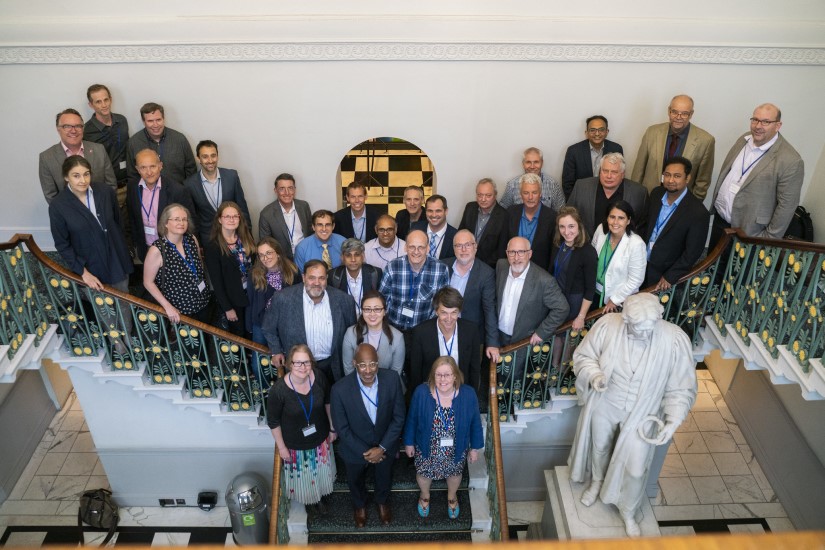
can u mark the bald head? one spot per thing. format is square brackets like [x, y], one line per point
[417, 249]
[149, 166]
[518, 254]
[365, 362]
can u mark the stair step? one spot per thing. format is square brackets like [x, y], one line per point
[403, 476]
[338, 519]
[356, 537]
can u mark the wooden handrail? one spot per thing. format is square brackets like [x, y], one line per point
[494, 425]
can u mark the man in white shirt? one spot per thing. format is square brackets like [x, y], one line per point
[288, 220]
[386, 246]
[353, 276]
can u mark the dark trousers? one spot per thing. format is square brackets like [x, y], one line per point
[357, 481]
[717, 230]
[325, 366]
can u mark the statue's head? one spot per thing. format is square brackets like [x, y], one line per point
[641, 312]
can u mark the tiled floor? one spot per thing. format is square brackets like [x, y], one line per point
[709, 474]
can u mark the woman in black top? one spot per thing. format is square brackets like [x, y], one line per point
[173, 268]
[229, 259]
[573, 263]
[298, 414]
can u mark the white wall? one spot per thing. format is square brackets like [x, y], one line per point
[448, 78]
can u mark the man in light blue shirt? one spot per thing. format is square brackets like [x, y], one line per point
[323, 244]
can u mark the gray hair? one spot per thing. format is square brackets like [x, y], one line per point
[613, 158]
[482, 181]
[352, 245]
[529, 179]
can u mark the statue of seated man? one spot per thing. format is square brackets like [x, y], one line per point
[636, 378]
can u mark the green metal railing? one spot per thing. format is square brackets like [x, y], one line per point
[772, 288]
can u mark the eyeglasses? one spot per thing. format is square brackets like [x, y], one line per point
[463, 246]
[67, 127]
[285, 189]
[364, 366]
[231, 217]
[372, 309]
[385, 229]
[596, 130]
[517, 253]
[763, 123]
[680, 114]
[440, 375]
[179, 220]
[414, 248]
[270, 254]
[302, 363]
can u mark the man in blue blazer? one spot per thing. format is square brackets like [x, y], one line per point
[358, 219]
[312, 314]
[582, 158]
[367, 408]
[211, 186]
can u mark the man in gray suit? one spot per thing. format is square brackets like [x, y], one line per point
[592, 196]
[287, 219]
[760, 180]
[312, 314]
[529, 301]
[70, 129]
[210, 186]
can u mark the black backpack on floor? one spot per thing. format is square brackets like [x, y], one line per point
[801, 227]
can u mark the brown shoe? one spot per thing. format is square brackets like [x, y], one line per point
[360, 517]
[385, 513]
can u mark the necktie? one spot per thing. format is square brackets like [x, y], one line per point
[674, 146]
[433, 246]
[325, 256]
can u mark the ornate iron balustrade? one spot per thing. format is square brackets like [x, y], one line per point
[133, 334]
[772, 288]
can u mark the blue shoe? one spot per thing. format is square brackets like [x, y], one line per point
[424, 511]
[453, 509]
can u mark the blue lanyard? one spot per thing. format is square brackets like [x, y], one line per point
[660, 223]
[300, 402]
[745, 170]
[373, 403]
[189, 259]
[151, 202]
[363, 227]
[397, 248]
[452, 341]
[524, 223]
[564, 255]
[292, 231]
[442, 414]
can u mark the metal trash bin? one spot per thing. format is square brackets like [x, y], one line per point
[247, 498]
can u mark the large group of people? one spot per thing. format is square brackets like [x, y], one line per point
[336, 295]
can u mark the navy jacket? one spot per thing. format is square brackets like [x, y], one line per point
[170, 192]
[204, 212]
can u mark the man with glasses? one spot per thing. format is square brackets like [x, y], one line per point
[760, 181]
[287, 219]
[323, 244]
[529, 301]
[353, 276]
[678, 137]
[371, 439]
[552, 194]
[386, 246]
[69, 125]
[487, 221]
[582, 159]
[312, 314]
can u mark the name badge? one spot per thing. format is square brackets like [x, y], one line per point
[122, 165]
[149, 230]
[309, 430]
[447, 442]
[201, 286]
[599, 287]
[244, 284]
[407, 312]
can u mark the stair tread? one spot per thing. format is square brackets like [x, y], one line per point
[403, 476]
[338, 518]
[358, 537]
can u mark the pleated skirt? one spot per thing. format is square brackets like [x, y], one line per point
[309, 474]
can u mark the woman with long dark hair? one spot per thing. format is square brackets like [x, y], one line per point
[374, 328]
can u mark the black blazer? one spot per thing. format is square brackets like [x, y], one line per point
[480, 300]
[580, 274]
[83, 242]
[424, 352]
[402, 220]
[680, 242]
[542, 239]
[170, 192]
[225, 277]
[447, 244]
[492, 245]
[370, 279]
[356, 432]
[343, 223]
[578, 164]
[204, 212]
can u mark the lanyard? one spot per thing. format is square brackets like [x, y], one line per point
[441, 413]
[300, 402]
[361, 286]
[188, 259]
[373, 403]
[608, 254]
[564, 255]
[292, 231]
[397, 248]
[660, 223]
[452, 342]
[151, 202]
[216, 200]
[745, 170]
[524, 224]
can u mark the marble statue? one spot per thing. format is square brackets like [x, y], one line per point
[636, 378]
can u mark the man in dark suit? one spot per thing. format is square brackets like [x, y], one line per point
[367, 408]
[358, 219]
[353, 276]
[678, 227]
[760, 180]
[533, 220]
[439, 233]
[287, 220]
[529, 301]
[412, 211]
[446, 334]
[70, 129]
[211, 186]
[146, 199]
[312, 314]
[487, 220]
[582, 159]
[592, 196]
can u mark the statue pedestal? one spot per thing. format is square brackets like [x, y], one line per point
[565, 517]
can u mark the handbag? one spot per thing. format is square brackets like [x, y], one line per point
[98, 509]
